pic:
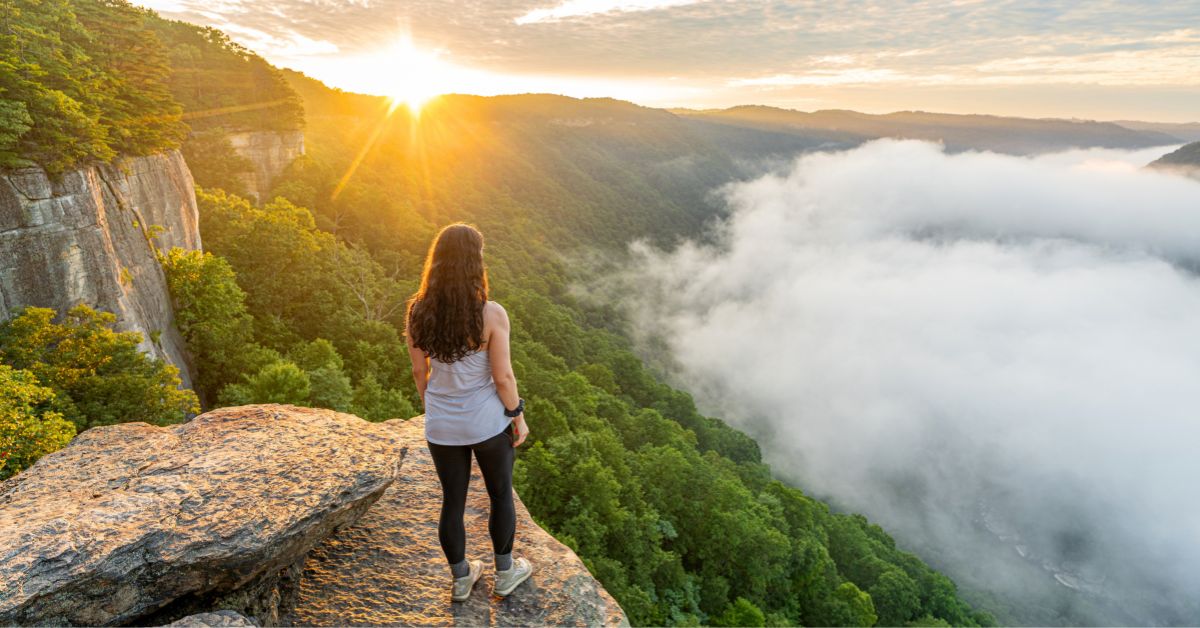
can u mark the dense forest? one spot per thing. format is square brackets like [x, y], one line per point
[299, 300]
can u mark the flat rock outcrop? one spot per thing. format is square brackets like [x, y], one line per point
[140, 524]
[388, 568]
[89, 236]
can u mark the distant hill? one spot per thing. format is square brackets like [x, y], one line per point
[1186, 131]
[598, 171]
[594, 171]
[1018, 136]
[1186, 159]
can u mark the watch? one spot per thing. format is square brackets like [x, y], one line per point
[515, 412]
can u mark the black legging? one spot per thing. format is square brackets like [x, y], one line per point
[453, 463]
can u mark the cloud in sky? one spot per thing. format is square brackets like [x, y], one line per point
[584, 8]
[1104, 59]
[995, 357]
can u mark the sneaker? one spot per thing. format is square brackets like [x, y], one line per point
[508, 579]
[463, 585]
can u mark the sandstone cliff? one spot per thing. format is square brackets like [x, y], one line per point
[270, 152]
[259, 510]
[89, 236]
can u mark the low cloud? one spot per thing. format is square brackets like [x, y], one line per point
[997, 358]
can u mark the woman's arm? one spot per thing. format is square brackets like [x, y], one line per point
[420, 368]
[500, 356]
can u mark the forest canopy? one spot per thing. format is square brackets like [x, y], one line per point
[87, 80]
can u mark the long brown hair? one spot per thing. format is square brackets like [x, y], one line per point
[445, 316]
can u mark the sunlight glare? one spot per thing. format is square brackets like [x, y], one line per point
[415, 74]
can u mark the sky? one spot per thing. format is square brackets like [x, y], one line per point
[1100, 59]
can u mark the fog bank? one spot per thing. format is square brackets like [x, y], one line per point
[996, 358]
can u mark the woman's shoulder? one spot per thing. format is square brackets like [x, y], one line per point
[494, 317]
[492, 308]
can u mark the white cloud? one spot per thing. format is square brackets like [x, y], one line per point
[283, 44]
[994, 356]
[585, 8]
[818, 77]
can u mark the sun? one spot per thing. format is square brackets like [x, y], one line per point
[414, 75]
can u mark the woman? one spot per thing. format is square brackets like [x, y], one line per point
[458, 342]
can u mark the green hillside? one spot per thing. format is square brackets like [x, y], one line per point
[1187, 156]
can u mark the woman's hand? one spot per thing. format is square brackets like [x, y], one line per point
[520, 430]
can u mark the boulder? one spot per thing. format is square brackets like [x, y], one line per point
[388, 568]
[140, 524]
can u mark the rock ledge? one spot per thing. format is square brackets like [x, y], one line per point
[136, 523]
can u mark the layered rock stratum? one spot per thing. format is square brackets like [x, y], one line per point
[267, 515]
[89, 237]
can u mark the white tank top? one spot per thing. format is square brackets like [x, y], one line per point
[462, 406]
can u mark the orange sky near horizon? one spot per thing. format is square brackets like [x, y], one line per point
[1106, 61]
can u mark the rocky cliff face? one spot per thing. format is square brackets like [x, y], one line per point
[270, 152]
[285, 515]
[89, 236]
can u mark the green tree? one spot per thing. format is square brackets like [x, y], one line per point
[896, 597]
[28, 429]
[82, 80]
[740, 612]
[223, 84]
[99, 375]
[210, 313]
[330, 386]
[854, 606]
[375, 403]
[279, 382]
[48, 88]
[131, 66]
[214, 163]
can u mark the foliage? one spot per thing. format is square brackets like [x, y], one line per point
[132, 73]
[222, 84]
[87, 80]
[81, 80]
[98, 375]
[330, 385]
[740, 612]
[223, 88]
[28, 429]
[214, 163]
[210, 313]
[277, 382]
[373, 402]
[309, 297]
